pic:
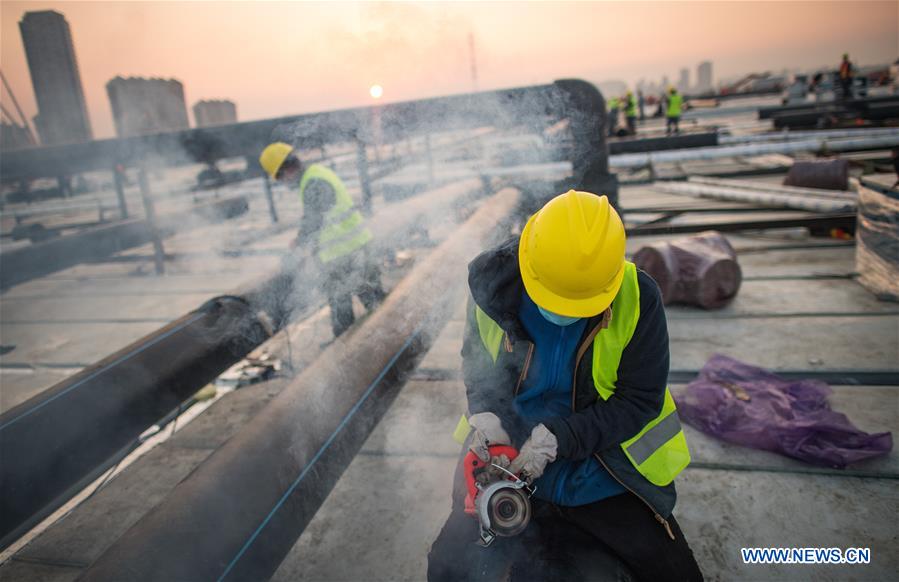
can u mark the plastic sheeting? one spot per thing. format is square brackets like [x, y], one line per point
[750, 406]
[699, 270]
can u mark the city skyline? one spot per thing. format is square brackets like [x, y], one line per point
[421, 50]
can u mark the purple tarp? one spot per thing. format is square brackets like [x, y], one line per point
[750, 406]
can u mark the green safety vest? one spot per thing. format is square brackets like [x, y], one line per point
[674, 103]
[631, 110]
[613, 104]
[659, 451]
[343, 231]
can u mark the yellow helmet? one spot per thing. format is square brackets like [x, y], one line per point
[571, 255]
[273, 156]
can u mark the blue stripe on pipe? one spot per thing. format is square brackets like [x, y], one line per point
[318, 455]
[100, 371]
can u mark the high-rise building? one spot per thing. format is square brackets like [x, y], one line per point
[704, 77]
[62, 113]
[141, 106]
[214, 112]
[683, 84]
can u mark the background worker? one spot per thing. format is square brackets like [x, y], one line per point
[613, 115]
[565, 357]
[332, 231]
[630, 112]
[845, 75]
[641, 103]
[673, 111]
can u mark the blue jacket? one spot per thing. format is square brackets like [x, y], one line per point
[545, 395]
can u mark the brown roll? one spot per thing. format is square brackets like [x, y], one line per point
[700, 270]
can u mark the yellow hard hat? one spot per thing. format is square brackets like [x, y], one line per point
[571, 255]
[273, 156]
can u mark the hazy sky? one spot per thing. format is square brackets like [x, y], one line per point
[281, 58]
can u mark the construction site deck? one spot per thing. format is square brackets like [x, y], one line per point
[800, 312]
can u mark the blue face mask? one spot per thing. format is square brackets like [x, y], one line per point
[560, 320]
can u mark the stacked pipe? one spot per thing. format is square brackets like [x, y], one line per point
[823, 201]
[803, 135]
[812, 144]
[211, 527]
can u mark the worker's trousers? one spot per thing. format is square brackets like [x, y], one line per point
[355, 274]
[612, 539]
[672, 123]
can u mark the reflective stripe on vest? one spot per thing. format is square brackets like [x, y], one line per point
[491, 333]
[343, 230]
[659, 451]
[674, 105]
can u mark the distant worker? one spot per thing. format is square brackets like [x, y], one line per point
[613, 115]
[565, 358]
[845, 76]
[673, 112]
[641, 102]
[332, 230]
[630, 112]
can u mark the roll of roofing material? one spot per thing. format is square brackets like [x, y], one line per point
[877, 253]
[700, 270]
[759, 186]
[824, 174]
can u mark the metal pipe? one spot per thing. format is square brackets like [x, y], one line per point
[238, 515]
[771, 199]
[119, 180]
[806, 134]
[777, 188]
[820, 222]
[364, 180]
[39, 259]
[271, 200]
[816, 144]
[150, 217]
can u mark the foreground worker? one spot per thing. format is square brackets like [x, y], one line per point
[630, 112]
[332, 230]
[565, 357]
[672, 115]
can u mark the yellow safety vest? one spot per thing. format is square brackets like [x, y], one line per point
[659, 450]
[631, 110]
[674, 105]
[344, 230]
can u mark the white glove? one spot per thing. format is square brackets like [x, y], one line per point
[488, 431]
[535, 454]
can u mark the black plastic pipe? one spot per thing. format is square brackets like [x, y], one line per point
[55, 443]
